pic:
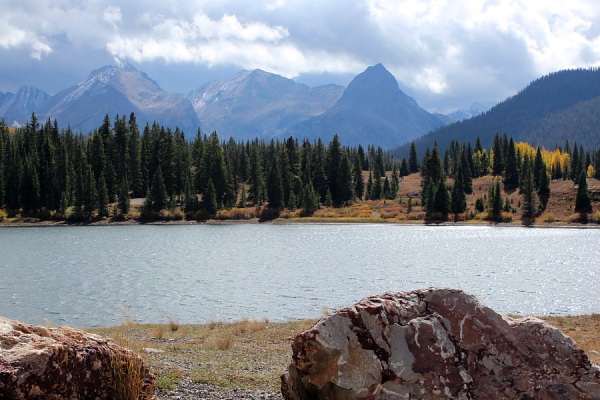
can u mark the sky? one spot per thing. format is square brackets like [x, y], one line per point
[445, 54]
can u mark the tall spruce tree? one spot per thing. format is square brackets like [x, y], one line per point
[511, 171]
[357, 178]
[458, 198]
[103, 211]
[158, 191]
[310, 199]
[495, 202]
[275, 187]
[413, 159]
[528, 189]
[583, 201]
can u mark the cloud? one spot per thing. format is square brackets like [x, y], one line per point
[13, 37]
[444, 53]
[226, 41]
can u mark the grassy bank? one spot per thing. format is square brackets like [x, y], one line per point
[253, 354]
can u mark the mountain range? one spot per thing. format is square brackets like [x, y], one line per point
[371, 110]
[561, 106]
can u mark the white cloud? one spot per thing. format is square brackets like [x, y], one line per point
[441, 51]
[12, 37]
[226, 41]
[113, 15]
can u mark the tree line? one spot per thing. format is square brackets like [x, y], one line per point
[518, 166]
[52, 172]
[49, 172]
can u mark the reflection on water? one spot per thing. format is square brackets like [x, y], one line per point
[88, 276]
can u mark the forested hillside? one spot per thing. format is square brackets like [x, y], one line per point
[57, 173]
[49, 173]
[557, 107]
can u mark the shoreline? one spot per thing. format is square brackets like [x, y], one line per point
[308, 220]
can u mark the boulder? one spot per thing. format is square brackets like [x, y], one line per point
[435, 344]
[66, 363]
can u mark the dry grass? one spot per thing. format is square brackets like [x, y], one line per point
[127, 375]
[253, 354]
[158, 332]
[585, 330]
[173, 324]
[249, 354]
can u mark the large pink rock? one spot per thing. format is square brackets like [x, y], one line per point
[435, 344]
[66, 363]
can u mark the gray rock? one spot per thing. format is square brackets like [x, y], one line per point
[435, 344]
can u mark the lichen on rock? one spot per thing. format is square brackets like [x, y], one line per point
[66, 363]
[435, 344]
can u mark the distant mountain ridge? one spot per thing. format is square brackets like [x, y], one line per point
[474, 110]
[254, 104]
[372, 109]
[559, 106]
[16, 108]
[119, 90]
[258, 104]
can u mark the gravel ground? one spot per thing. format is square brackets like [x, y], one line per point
[188, 391]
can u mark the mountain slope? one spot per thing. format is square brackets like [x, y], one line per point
[372, 110]
[258, 103]
[16, 108]
[120, 90]
[547, 112]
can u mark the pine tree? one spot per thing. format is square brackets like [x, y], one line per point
[413, 160]
[458, 198]
[466, 172]
[344, 182]
[90, 195]
[528, 188]
[495, 202]
[310, 199]
[328, 199]
[334, 159]
[209, 199]
[441, 201]
[124, 198]
[511, 172]
[243, 199]
[102, 198]
[498, 162]
[359, 184]
[275, 187]
[292, 202]
[158, 191]
[369, 187]
[583, 201]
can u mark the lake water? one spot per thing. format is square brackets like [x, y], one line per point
[91, 276]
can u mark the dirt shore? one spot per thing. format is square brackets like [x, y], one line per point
[244, 360]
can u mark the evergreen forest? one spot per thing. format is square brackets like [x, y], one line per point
[52, 173]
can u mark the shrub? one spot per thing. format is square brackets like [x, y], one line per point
[549, 217]
[173, 324]
[158, 332]
[3, 215]
[269, 214]
[223, 342]
[236, 214]
[127, 377]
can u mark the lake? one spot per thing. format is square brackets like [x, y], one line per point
[97, 275]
